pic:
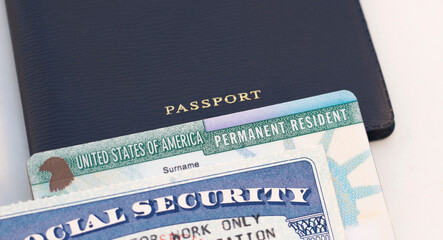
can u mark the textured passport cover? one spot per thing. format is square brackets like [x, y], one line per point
[91, 70]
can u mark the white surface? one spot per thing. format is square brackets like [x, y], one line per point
[408, 37]
[14, 151]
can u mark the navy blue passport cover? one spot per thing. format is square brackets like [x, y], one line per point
[91, 70]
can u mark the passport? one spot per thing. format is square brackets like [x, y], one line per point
[90, 71]
[330, 123]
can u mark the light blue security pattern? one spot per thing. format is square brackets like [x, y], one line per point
[347, 195]
[245, 153]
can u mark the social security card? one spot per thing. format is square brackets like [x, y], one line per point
[282, 196]
[331, 121]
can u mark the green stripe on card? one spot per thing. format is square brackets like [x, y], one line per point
[190, 137]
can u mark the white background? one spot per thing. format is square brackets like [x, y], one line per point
[408, 38]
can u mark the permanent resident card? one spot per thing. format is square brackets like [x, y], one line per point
[331, 121]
